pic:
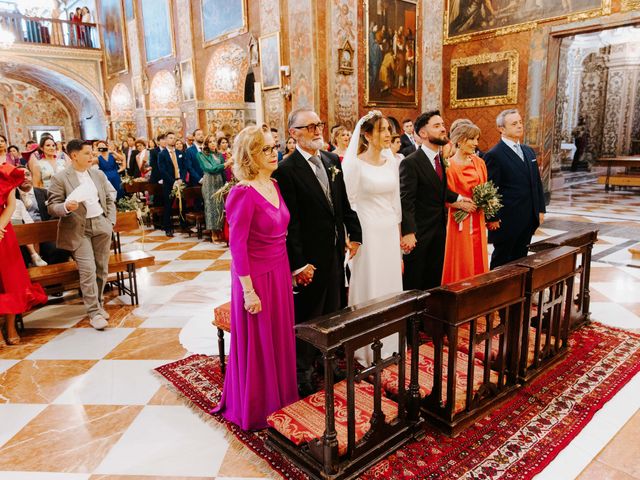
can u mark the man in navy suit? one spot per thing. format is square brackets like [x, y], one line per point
[407, 141]
[191, 162]
[169, 161]
[514, 170]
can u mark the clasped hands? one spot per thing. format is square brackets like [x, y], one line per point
[305, 277]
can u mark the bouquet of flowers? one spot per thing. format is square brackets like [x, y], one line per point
[486, 198]
[221, 194]
[135, 204]
[177, 192]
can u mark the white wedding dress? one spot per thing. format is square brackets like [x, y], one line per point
[376, 270]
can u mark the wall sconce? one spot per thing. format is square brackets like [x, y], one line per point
[285, 90]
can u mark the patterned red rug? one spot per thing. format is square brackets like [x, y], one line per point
[516, 441]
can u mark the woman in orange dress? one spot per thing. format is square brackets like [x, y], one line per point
[466, 247]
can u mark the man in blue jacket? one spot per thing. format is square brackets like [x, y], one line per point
[169, 161]
[514, 170]
[191, 164]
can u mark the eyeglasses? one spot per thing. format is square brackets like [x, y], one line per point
[269, 149]
[311, 128]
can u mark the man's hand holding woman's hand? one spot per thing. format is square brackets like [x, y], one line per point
[305, 277]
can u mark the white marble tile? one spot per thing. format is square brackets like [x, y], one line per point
[183, 238]
[55, 316]
[612, 240]
[613, 315]
[146, 246]
[184, 310]
[114, 382]
[14, 416]
[156, 321]
[632, 271]
[187, 266]
[7, 364]
[550, 231]
[622, 292]
[225, 256]
[43, 476]
[167, 440]
[206, 245]
[166, 255]
[200, 336]
[622, 257]
[596, 434]
[213, 279]
[81, 344]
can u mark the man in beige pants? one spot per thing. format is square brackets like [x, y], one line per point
[79, 195]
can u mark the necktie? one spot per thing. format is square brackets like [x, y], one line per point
[322, 176]
[518, 150]
[436, 160]
[174, 160]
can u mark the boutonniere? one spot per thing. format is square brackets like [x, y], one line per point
[334, 171]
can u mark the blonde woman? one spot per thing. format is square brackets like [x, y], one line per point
[261, 373]
[340, 139]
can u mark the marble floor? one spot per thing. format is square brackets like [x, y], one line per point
[79, 404]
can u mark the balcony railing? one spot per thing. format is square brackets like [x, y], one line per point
[50, 31]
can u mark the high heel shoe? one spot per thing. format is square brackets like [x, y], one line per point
[13, 340]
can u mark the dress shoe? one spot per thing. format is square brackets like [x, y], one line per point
[104, 313]
[168, 234]
[98, 322]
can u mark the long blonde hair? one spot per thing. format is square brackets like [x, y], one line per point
[246, 148]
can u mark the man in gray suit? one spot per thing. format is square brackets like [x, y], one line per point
[87, 217]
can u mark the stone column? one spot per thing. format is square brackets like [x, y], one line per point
[431, 13]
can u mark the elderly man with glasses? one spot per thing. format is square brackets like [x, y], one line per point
[313, 189]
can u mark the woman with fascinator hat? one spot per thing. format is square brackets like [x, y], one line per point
[373, 187]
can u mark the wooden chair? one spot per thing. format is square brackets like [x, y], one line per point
[584, 239]
[195, 213]
[370, 425]
[222, 321]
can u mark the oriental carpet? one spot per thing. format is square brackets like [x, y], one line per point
[515, 441]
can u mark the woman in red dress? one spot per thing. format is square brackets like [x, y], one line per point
[17, 293]
[466, 248]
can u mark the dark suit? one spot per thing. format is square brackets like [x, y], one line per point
[423, 197]
[132, 165]
[153, 164]
[168, 175]
[192, 166]
[316, 236]
[407, 146]
[519, 184]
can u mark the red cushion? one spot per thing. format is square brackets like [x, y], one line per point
[425, 374]
[304, 420]
[222, 317]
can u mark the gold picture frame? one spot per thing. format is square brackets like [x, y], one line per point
[381, 89]
[492, 23]
[345, 59]
[216, 9]
[484, 80]
[628, 5]
[105, 17]
[187, 80]
[270, 61]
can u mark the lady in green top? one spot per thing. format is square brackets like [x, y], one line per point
[213, 165]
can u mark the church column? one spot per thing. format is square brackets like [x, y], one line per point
[432, 33]
[623, 61]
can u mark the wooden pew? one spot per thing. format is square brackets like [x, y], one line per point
[484, 311]
[193, 211]
[342, 449]
[549, 292]
[66, 273]
[584, 239]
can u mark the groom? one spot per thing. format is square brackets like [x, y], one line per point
[313, 189]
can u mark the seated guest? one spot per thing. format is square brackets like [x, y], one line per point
[261, 373]
[35, 203]
[21, 217]
[17, 293]
[85, 227]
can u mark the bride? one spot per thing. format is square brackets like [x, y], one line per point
[373, 186]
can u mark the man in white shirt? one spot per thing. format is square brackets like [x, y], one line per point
[79, 195]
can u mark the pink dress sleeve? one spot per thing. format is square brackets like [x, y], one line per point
[239, 208]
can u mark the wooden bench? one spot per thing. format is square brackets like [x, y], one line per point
[583, 238]
[345, 428]
[547, 312]
[627, 179]
[66, 273]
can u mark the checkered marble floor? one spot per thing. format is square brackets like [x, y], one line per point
[79, 404]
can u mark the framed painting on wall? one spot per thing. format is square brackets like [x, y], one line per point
[270, 61]
[222, 19]
[465, 19]
[113, 36]
[158, 29]
[187, 79]
[484, 80]
[390, 44]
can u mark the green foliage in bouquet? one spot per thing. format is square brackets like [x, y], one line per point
[486, 198]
